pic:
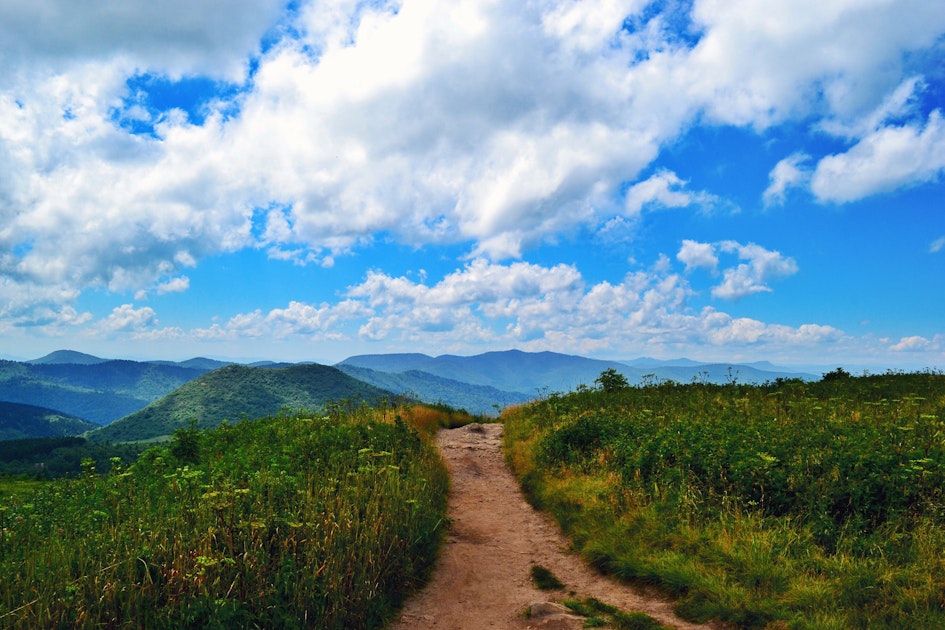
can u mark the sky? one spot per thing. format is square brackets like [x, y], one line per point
[724, 180]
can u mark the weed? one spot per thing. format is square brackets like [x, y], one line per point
[296, 520]
[544, 579]
[755, 505]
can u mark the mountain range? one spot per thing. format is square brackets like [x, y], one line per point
[143, 400]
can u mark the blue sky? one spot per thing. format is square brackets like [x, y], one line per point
[724, 180]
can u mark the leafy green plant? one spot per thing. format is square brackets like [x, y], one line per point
[753, 504]
[599, 614]
[295, 520]
[544, 579]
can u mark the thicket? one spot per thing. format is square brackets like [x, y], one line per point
[818, 505]
[53, 458]
[295, 520]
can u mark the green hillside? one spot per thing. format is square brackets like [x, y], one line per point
[18, 421]
[97, 392]
[236, 392]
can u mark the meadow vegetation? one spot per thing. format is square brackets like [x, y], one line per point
[790, 504]
[295, 520]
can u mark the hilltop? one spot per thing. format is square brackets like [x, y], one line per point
[18, 421]
[67, 356]
[236, 392]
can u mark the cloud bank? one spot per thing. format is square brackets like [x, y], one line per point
[493, 126]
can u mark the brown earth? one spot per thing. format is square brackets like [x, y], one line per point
[483, 576]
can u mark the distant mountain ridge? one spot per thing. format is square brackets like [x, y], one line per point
[532, 373]
[430, 388]
[104, 390]
[510, 370]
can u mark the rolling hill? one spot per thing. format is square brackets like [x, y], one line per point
[98, 392]
[237, 392]
[18, 421]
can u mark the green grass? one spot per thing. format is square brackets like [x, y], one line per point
[544, 579]
[815, 505]
[289, 521]
[599, 614]
[16, 489]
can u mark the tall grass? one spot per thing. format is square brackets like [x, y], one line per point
[816, 505]
[291, 521]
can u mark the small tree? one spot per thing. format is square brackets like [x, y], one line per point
[610, 380]
[185, 445]
[836, 375]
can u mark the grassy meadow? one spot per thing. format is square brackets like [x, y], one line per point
[786, 505]
[294, 520]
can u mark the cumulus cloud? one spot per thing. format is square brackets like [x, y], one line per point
[494, 125]
[127, 318]
[321, 322]
[751, 277]
[759, 64]
[695, 255]
[788, 173]
[888, 158]
[665, 189]
[175, 285]
[914, 343]
[211, 37]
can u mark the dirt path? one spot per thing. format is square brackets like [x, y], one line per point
[482, 579]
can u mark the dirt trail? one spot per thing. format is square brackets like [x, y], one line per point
[482, 579]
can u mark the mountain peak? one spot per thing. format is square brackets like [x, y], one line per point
[68, 356]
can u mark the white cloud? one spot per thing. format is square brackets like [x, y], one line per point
[298, 319]
[175, 285]
[913, 343]
[127, 318]
[897, 104]
[762, 265]
[762, 63]
[788, 173]
[494, 125]
[884, 160]
[665, 189]
[588, 24]
[751, 277]
[211, 37]
[937, 245]
[694, 255]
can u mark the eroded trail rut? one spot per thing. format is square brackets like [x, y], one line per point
[482, 579]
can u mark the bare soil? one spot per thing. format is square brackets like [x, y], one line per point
[483, 576]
